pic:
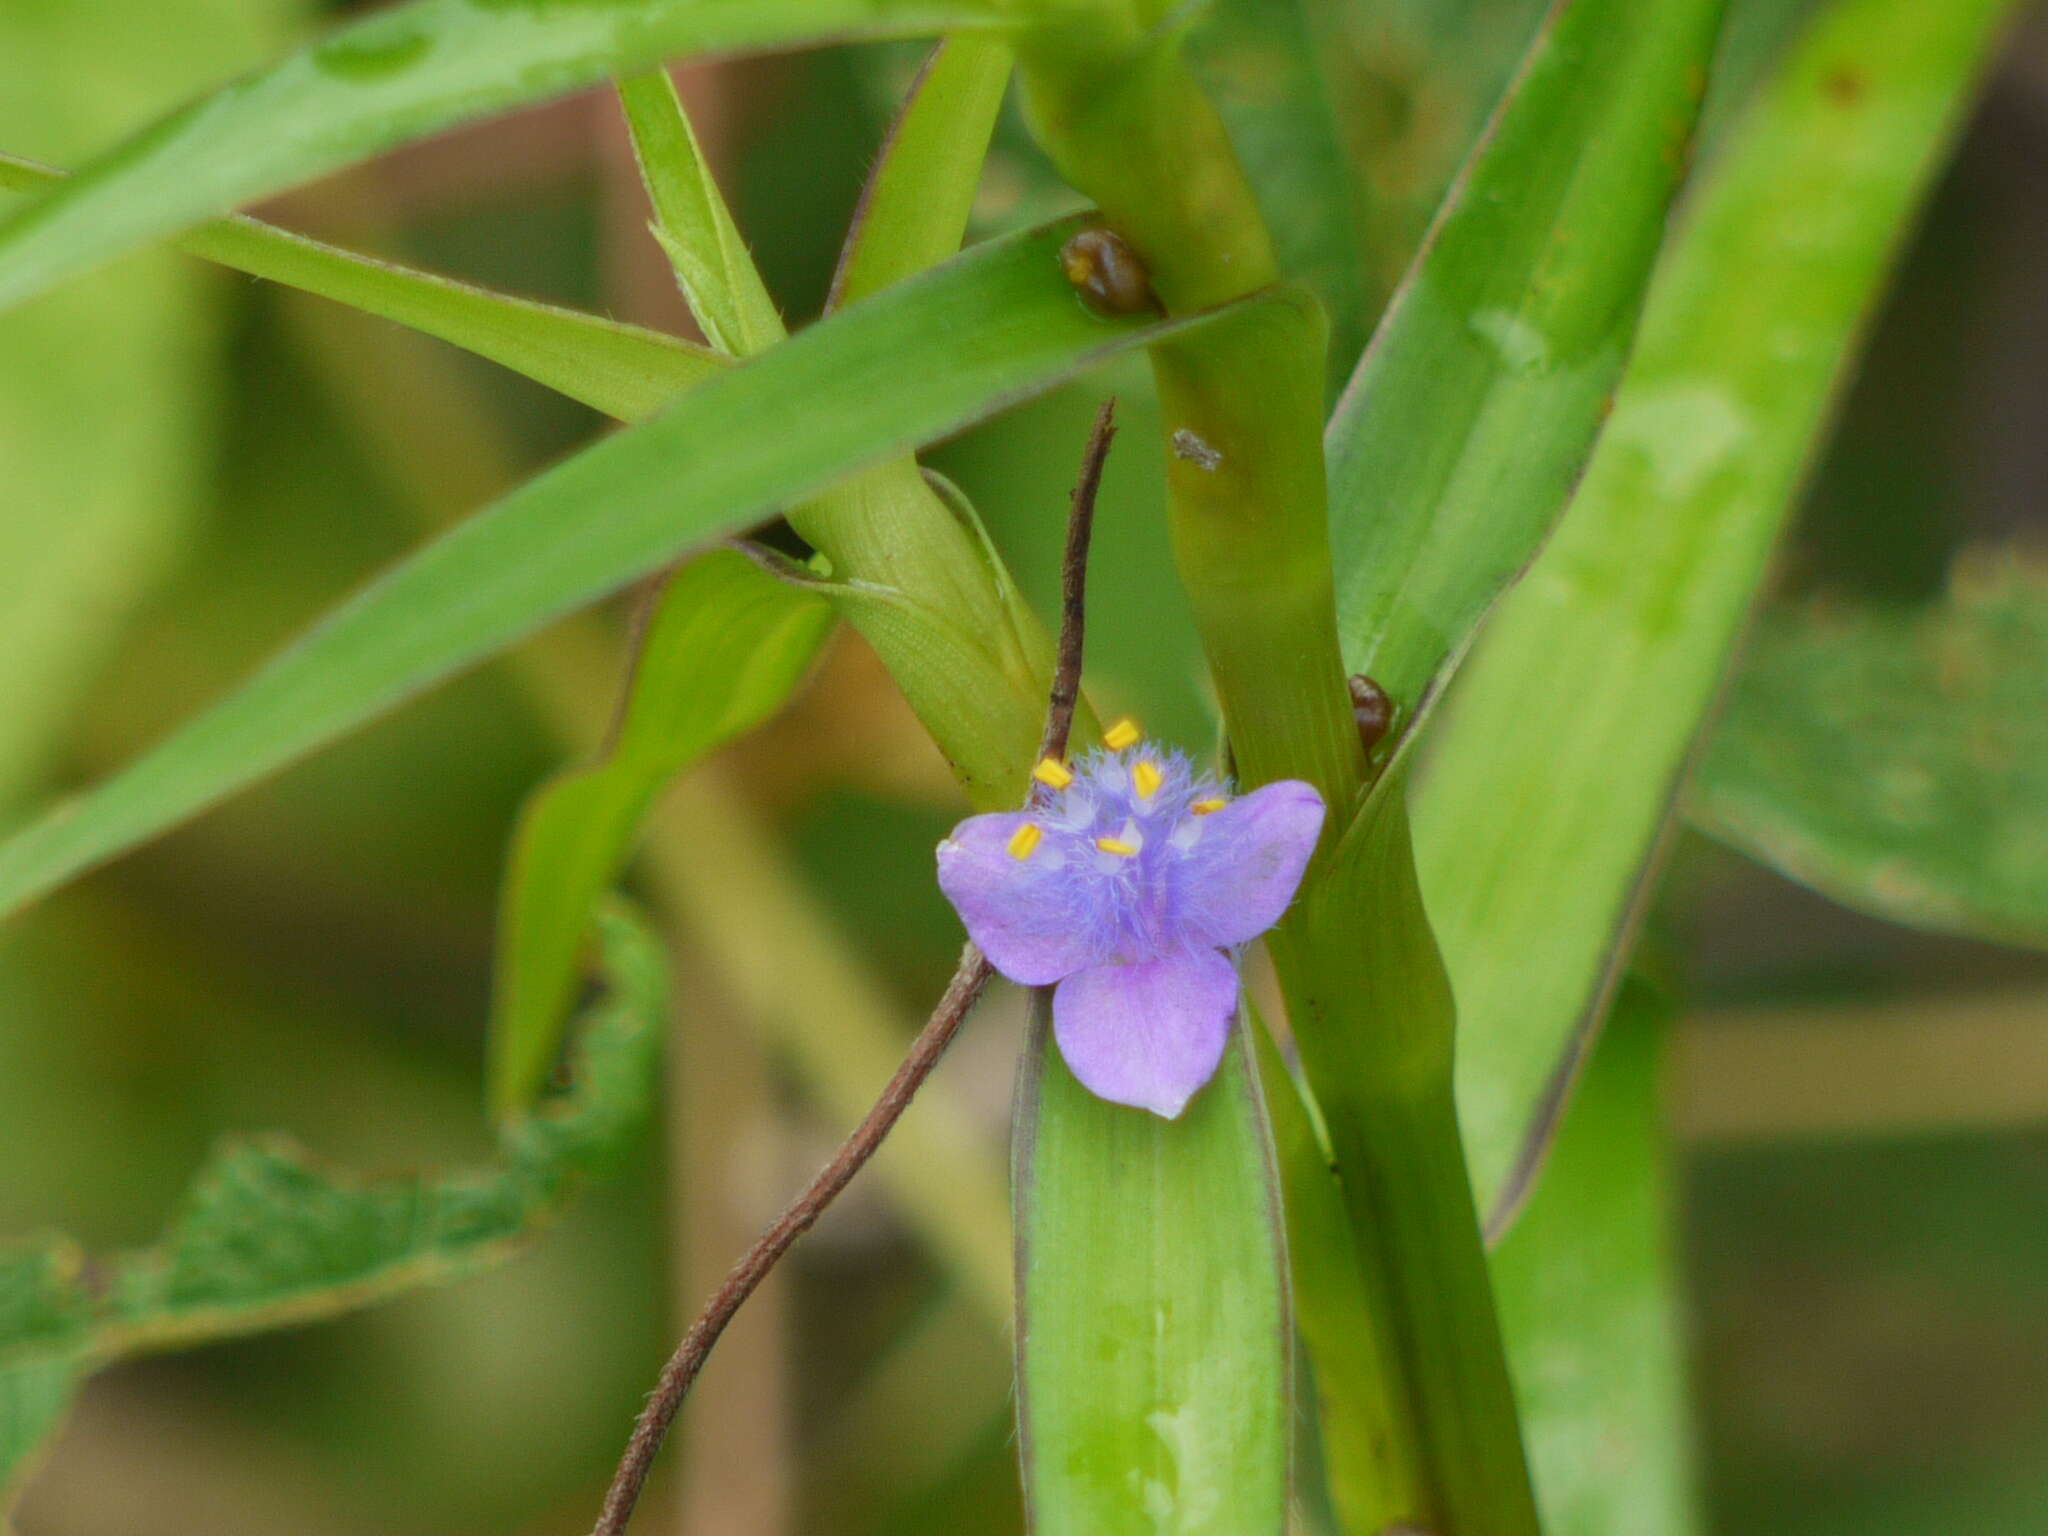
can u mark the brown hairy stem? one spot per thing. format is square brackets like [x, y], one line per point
[961, 994]
[1066, 676]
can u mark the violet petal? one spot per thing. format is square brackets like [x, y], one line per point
[1148, 1034]
[1038, 919]
[1237, 879]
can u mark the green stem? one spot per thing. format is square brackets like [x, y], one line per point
[1243, 412]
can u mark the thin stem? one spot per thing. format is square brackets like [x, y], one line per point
[1066, 678]
[681, 1371]
[962, 993]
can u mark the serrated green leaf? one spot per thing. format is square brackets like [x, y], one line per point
[1556, 769]
[1459, 438]
[399, 75]
[34, 1397]
[621, 370]
[1898, 760]
[1153, 1340]
[726, 646]
[270, 1236]
[45, 1328]
[105, 407]
[1588, 1288]
[997, 325]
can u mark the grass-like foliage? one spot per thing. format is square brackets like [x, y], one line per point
[1582, 363]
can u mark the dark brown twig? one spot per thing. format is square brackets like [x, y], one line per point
[961, 994]
[1066, 676]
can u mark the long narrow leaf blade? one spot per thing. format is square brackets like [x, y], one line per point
[621, 370]
[910, 365]
[728, 644]
[1457, 442]
[1557, 768]
[726, 647]
[396, 76]
[915, 207]
[1588, 1288]
[1366, 1433]
[1152, 1332]
[717, 274]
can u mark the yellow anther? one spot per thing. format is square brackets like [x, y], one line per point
[1146, 778]
[1208, 807]
[1117, 846]
[1025, 840]
[1123, 734]
[1053, 773]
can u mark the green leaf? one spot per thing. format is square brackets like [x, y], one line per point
[44, 1329]
[1420, 79]
[1384, 1087]
[915, 207]
[399, 75]
[725, 648]
[915, 572]
[728, 643]
[1152, 1333]
[1588, 1288]
[958, 686]
[621, 370]
[1366, 1434]
[1269, 64]
[270, 1237]
[105, 414]
[921, 360]
[1898, 760]
[34, 1397]
[693, 224]
[1460, 436]
[1567, 738]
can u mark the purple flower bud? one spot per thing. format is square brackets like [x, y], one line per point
[1125, 882]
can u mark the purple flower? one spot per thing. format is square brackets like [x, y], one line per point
[1125, 881]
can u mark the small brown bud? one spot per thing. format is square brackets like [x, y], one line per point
[1100, 263]
[1372, 709]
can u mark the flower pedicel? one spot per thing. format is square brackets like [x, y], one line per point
[1125, 881]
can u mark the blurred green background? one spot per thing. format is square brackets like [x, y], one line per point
[1861, 1112]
